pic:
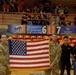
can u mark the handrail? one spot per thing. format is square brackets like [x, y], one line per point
[3, 18]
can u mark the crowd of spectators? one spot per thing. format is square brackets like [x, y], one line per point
[20, 6]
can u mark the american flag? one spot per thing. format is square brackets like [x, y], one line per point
[29, 55]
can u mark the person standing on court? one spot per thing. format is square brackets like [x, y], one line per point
[4, 69]
[74, 55]
[55, 54]
[65, 56]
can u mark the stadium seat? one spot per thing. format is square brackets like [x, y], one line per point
[28, 40]
[70, 37]
[60, 41]
[45, 37]
[33, 37]
[20, 37]
[75, 38]
[59, 37]
[72, 45]
[74, 41]
[62, 37]
[39, 37]
[14, 37]
[27, 37]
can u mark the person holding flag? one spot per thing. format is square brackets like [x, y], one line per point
[4, 55]
[55, 54]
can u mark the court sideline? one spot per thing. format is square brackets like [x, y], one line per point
[27, 72]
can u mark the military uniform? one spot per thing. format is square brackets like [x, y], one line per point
[4, 59]
[55, 54]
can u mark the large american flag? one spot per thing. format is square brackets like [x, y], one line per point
[29, 55]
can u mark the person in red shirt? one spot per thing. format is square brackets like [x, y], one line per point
[20, 7]
[6, 7]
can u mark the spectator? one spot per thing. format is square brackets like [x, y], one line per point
[46, 8]
[65, 9]
[54, 6]
[75, 21]
[20, 8]
[12, 7]
[1, 2]
[56, 21]
[24, 20]
[62, 20]
[6, 7]
[16, 5]
[61, 11]
[57, 10]
[35, 9]
[59, 6]
[67, 21]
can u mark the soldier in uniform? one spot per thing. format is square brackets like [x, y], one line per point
[55, 54]
[4, 63]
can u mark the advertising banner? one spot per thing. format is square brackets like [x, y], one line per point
[36, 29]
[3, 28]
[66, 30]
[17, 28]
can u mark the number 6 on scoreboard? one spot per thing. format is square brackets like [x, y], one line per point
[44, 29]
[58, 30]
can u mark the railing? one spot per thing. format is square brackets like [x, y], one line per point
[16, 17]
[12, 16]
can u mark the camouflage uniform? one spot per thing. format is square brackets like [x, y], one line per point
[4, 59]
[55, 53]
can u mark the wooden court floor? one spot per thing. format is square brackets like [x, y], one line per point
[20, 72]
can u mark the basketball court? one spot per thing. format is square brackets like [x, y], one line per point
[27, 72]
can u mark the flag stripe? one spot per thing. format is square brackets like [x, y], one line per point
[37, 47]
[28, 62]
[33, 56]
[36, 43]
[28, 58]
[37, 52]
[23, 67]
[29, 65]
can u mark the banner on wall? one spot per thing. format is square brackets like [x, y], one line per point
[3, 28]
[36, 29]
[66, 30]
[16, 28]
